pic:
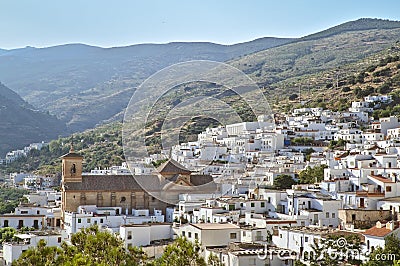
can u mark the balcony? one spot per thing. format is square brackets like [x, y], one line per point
[375, 193]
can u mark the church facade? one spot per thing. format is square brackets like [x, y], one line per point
[124, 190]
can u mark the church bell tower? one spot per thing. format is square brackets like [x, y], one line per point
[72, 166]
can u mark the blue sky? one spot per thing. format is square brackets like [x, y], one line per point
[108, 23]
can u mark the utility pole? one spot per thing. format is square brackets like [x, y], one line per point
[337, 80]
[299, 93]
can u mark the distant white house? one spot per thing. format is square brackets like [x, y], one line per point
[210, 234]
[138, 235]
[13, 250]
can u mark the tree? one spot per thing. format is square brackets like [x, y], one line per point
[293, 97]
[302, 141]
[40, 255]
[334, 250]
[90, 246]
[7, 234]
[214, 261]
[392, 247]
[181, 252]
[284, 182]
[333, 144]
[312, 175]
[308, 152]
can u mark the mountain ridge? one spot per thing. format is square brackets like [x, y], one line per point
[20, 125]
[84, 89]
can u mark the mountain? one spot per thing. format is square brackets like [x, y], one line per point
[84, 85]
[329, 49]
[357, 25]
[21, 125]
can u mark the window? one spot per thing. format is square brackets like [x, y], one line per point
[388, 189]
[88, 220]
[306, 239]
[24, 212]
[183, 233]
[327, 215]
[101, 221]
[38, 212]
[233, 235]
[333, 215]
[5, 223]
[189, 234]
[79, 220]
[59, 240]
[262, 204]
[196, 235]
[129, 235]
[129, 245]
[252, 204]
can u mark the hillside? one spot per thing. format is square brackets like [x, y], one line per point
[337, 88]
[102, 147]
[357, 25]
[85, 85]
[21, 125]
[343, 44]
[85, 96]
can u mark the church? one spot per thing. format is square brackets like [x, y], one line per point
[156, 191]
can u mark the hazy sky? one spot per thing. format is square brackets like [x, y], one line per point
[109, 23]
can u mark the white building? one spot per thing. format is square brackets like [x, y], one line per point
[138, 235]
[108, 217]
[210, 234]
[375, 236]
[13, 250]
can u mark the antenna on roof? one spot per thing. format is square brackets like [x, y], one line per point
[71, 150]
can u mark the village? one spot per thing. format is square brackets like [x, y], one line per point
[268, 188]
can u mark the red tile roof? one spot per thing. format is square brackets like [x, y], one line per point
[379, 232]
[381, 178]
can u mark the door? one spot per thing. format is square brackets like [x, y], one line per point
[362, 203]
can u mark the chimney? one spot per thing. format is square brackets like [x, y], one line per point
[390, 225]
[378, 224]
[394, 177]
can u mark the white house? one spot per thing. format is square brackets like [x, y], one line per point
[210, 234]
[375, 236]
[137, 235]
[13, 250]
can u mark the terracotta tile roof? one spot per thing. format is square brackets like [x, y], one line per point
[197, 180]
[130, 183]
[215, 226]
[381, 178]
[72, 155]
[172, 167]
[110, 183]
[379, 232]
